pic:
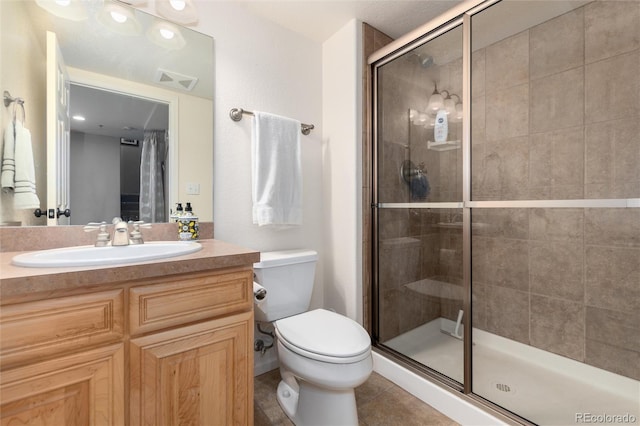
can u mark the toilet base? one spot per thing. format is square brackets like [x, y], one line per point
[314, 405]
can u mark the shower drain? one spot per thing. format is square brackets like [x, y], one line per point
[502, 387]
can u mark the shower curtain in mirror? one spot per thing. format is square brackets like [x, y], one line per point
[152, 164]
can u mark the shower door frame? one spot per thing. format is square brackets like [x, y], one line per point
[460, 15]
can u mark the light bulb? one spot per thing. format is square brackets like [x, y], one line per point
[178, 5]
[449, 106]
[167, 34]
[118, 17]
[459, 111]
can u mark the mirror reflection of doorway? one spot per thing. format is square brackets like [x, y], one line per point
[105, 152]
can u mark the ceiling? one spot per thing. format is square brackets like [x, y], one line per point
[320, 19]
[115, 114]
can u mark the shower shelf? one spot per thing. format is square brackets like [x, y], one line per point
[443, 146]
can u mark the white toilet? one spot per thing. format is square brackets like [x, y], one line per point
[323, 355]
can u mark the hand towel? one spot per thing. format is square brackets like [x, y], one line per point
[25, 175]
[8, 160]
[276, 180]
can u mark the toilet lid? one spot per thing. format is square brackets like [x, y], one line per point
[324, 333]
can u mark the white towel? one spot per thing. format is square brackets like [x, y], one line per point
[8, 160]
[25, 177]
[276, 170]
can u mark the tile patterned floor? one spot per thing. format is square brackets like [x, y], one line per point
[380, 403]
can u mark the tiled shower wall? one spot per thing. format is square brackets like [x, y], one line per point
[555, 114]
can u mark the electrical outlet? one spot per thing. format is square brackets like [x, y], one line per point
[193, 189]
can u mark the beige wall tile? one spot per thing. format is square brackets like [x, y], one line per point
[557, 101]
[557, 269]
[612, 277]
[502, 262]
[612, 88]
[612, 159]
[507, 113]
[558, 326]
[611, 28]
[612, 227]
[478, 73]
[556, 225]
[613, 358]
[508, 313]
[506, 168]
[557, 158]
[506, 223]
[548, 55]
[507, 62]
[620, 329]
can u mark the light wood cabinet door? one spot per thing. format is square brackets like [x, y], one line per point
[34, 331]
[196, 375]
[81, 389]
[176, 301]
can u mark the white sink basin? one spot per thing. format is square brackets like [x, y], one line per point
[96, 256]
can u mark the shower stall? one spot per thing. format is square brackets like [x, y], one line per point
[506, 207]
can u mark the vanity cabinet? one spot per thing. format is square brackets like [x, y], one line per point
[153, 351]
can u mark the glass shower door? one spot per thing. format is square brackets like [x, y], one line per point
[555, 224]
[418, 207]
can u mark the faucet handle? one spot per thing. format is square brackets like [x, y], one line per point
[103, 235]
[136, 235]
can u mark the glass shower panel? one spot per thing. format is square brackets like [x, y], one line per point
[555, 100]
[555, 312]
[555, 110]
[420, 288]
[419, 110]
[419, 175]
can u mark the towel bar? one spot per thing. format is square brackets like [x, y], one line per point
[236, 115]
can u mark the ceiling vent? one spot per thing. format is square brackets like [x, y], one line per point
[175, 79]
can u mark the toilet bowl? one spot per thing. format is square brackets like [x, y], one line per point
[323, 356]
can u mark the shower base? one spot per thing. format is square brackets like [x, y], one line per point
[542, 387]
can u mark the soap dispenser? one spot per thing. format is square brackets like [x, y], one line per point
[188, 225]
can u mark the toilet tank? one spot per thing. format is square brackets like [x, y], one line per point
[288, 278]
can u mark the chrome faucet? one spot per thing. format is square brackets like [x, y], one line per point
[121, 236]
[120, 232]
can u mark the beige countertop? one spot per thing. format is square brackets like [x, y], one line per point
[17, 281]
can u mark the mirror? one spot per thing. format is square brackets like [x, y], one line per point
[135, 66]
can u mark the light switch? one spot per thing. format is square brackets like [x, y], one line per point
[193, 188]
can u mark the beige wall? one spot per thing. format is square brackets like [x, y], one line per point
[22, 73]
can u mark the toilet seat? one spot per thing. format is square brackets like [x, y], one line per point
[324, 336]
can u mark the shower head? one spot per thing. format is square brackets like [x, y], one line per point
[425, 61]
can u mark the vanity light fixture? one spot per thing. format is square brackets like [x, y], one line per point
[166, 35]
[179, 11]
[449, 105]
[435, 100]
[119, 19]
[73, 10]
[78, 117]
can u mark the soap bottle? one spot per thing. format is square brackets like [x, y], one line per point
[441, 128]
[176, 215]
[188, 225]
